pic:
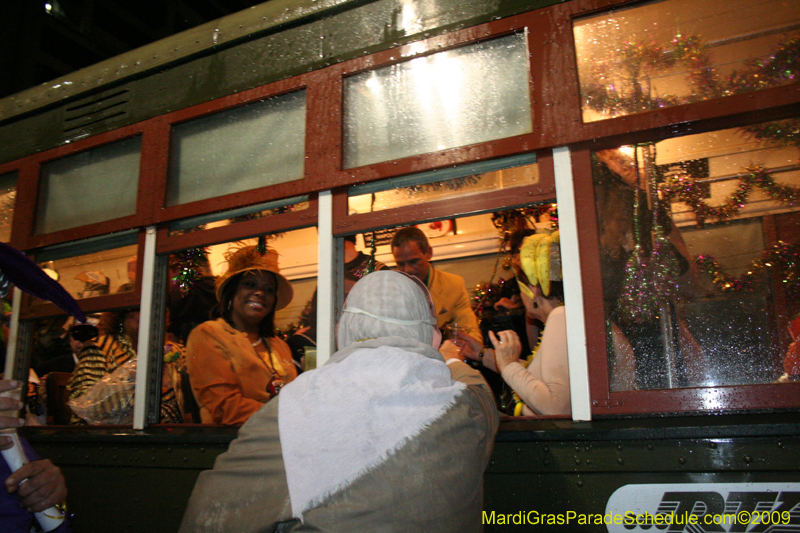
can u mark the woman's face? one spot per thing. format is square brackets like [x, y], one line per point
[254, 299]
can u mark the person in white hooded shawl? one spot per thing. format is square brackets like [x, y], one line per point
[384, 437]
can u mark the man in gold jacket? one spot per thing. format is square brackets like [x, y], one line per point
[413, 253]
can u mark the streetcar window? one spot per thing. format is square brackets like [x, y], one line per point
[89, 187]
[699, 237]
[674, 52]
[233, 216]
[468, 95]
[94, 267]
[237, 150]
[8, 197]
[200, 375]
[444, 184]
[84, 374]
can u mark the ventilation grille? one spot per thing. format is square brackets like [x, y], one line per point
[104, 108]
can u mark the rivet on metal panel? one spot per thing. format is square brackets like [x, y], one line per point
[588, 461]
[780, 444]
[649, 446]
[577, 461]
[619, 447]
[546, 449]
[580, 483]
[577, 448]
[682, 460]
[620, 461]
[748, 459]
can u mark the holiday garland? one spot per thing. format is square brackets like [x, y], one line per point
[507, 222]
[188, 263]
[648, 282]
[782, 258]
[636, 63]
[485, 295]
[685, 189]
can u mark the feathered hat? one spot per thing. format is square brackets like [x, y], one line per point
[251, 258]
[540, 260]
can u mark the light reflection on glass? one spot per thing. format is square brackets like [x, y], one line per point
[472, 94]
[98, 273]
[673, 52]
[89, 187]
[459, 187]
[700, 254]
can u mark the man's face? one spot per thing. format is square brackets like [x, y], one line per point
[411, 260]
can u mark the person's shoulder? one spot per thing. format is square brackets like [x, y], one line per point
[557, 316]
[214, 327]
[447, 276]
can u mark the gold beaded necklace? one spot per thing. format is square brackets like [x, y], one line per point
[270, 366]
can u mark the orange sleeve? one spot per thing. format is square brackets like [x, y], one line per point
[216, 385]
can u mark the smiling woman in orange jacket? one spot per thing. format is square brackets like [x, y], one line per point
[236, 363]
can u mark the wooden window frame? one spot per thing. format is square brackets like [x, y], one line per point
[553, 79]
[755, 397]
[505, 199]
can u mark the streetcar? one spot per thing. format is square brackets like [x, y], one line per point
[660, 138]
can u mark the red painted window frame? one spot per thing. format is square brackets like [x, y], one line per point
[553, 80]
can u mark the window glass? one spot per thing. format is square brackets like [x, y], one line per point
[87, 372]
[469, 95]
[195, 362]
[445, 184]
[8, 197]
[661, 54]
[473, 257]
[89, 187]
[94, 267]
[226, 218]
[245, 148]
[699, 240]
